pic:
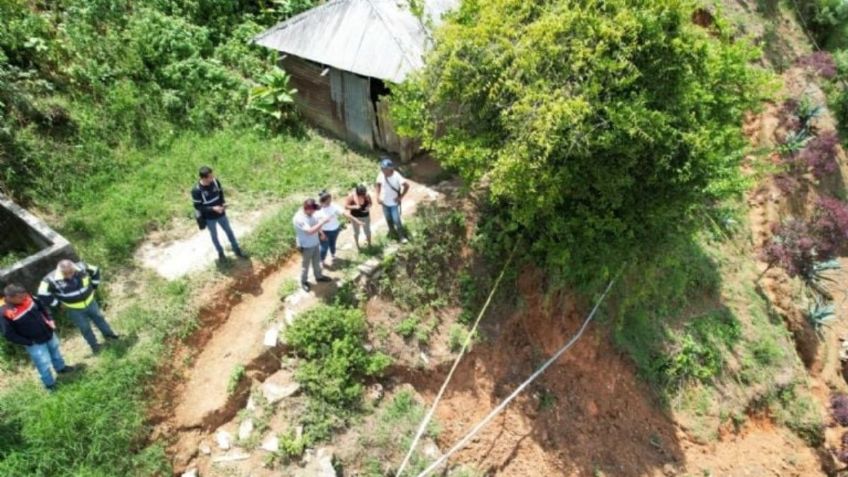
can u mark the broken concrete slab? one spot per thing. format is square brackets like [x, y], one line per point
[279, 386]
[190, 473]
[320, 466]
[272, 335]
[231, 457]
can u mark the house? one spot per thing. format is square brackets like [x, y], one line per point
[344, 56]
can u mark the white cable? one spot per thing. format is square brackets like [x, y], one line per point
[432, 410]
[459, 445]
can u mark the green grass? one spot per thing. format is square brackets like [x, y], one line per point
[394, 427]
[110, 215]
[700, 333]
[94, 425]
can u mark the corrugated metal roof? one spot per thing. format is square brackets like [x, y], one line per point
[376, 38]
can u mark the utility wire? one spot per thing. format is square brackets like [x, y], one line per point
[462, 442]
[423, 427]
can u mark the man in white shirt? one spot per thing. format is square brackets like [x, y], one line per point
[391, 188]
[307, 230]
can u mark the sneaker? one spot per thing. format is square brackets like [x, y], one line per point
[67, 369]
[222, 257]
[95, 350]
[50, 388]
[324, 279]
[305, 286]
[241, 254]
[404, 240]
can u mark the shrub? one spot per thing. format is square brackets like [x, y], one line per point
[423, 273]
[273, 99]
[830, 224]
[792, 248]
[331, 342]
[819, 154]
[839, 408]
[599, 127]
[820, 63]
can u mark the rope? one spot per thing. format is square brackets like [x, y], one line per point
[459, 445]
[432, 410]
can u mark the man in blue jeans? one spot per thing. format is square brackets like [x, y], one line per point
[391, 189]
[72, 285]
[208, 198]
[25, 321]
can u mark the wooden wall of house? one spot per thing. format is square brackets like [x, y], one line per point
[314, 95]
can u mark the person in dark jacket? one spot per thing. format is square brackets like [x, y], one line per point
[25, 321]
[72, 285]
[208, 198]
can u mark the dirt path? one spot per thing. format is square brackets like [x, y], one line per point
[202, 401]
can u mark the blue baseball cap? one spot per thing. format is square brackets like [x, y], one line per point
[387, 164]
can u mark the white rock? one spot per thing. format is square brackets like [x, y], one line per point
[231, 457]
[320, 466]
[279, 386]
[431, 450]
[245, 429]
[289, 316]
[271, 443]
[190, 473]
[425, 358]
[272, 335]
[204, 448]
[224, 440]
[251, 404]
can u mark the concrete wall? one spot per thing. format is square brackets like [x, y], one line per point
[23, 231]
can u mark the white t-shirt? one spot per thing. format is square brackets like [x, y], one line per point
[332, 211]
[390, 187]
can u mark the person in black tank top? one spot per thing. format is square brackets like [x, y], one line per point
[358, 208]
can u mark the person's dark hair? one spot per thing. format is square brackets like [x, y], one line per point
[204, 172]
[310, 204]
[323, 196]
[361, 189]
[13, 289]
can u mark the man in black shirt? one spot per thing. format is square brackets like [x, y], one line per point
[26, 321]
[208, 198]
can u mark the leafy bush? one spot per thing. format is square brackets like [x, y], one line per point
[331, 342]
[597, 126]
[793, 248]
[423, 273]
[828, 20]
[839, 408]
[273, 98]
[820, 63]
[819, 155]
[830, 223]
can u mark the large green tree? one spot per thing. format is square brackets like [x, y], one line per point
[598, 126]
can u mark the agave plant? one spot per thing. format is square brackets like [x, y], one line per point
[273, 97]
[818, 278]
[795, 141]
[820, 314]
[807, 111]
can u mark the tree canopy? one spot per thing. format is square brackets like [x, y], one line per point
[598, 127]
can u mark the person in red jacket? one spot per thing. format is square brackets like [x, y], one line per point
[25, 321]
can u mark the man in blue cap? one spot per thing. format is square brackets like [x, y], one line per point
[391, 189]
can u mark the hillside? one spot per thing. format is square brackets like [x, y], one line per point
[692, 156]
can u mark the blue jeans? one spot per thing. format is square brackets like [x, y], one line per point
[45, 354]
[392, 214]
[212, 225]
[330, 243]
[81, 317]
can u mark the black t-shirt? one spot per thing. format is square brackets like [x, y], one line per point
[364, 209]
[207, 196]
